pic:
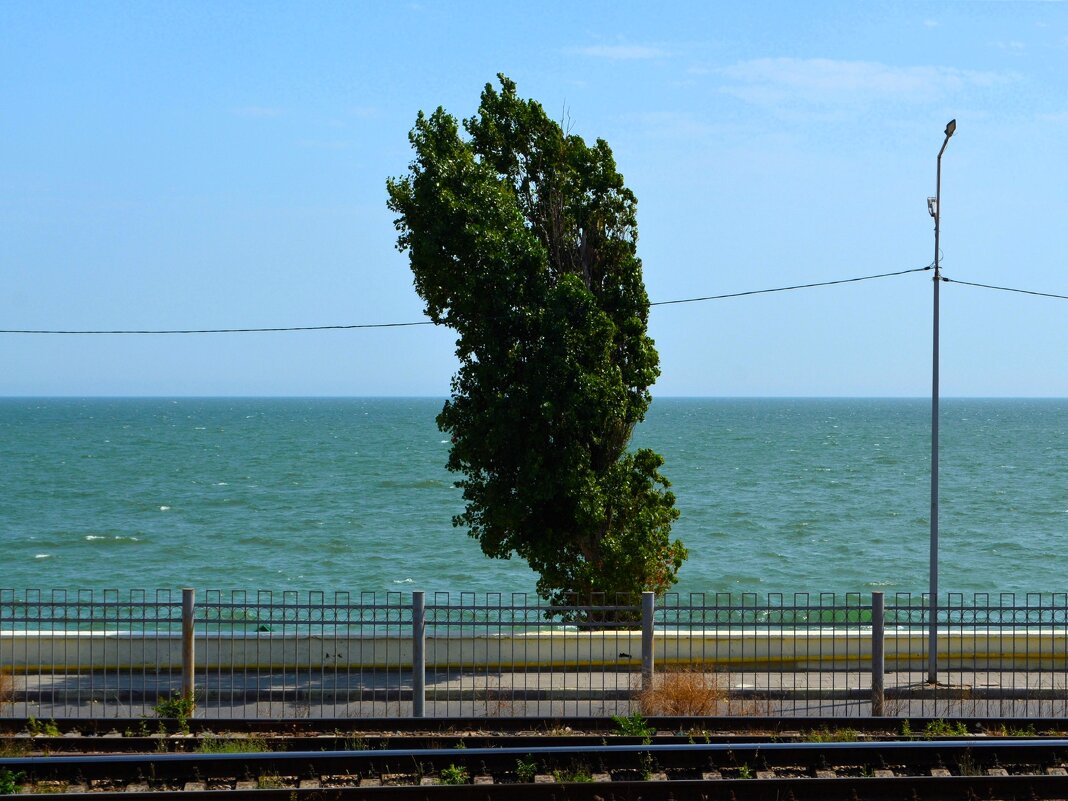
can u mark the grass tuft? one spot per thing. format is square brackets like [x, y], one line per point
[680, 693]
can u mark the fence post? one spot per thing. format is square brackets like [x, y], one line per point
[188, 655]
[878, 639]
[418, 654]
[648, 608]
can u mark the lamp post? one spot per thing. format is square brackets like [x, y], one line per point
[934, 206]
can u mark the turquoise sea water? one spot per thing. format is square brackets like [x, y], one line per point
[776, 495]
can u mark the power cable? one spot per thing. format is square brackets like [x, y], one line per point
[1006, 289]
[788, 288]
[429, 322]
[225, 330]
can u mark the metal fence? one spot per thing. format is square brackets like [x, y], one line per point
[264, 654]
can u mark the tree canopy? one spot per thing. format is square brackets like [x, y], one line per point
[523, 239]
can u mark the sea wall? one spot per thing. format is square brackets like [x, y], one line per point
[811, 649]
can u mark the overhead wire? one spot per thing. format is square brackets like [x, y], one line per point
[430, 322]
[788, 288]
[1006, 289]
[220, 330]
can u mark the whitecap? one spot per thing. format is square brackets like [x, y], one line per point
[444, 442]
[404, 581]
[221, 484]
[164, 508]
[42, 556]
[91, 537]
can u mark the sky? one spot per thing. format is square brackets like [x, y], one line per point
[223, 165]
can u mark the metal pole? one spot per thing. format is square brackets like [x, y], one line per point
[648, 608]
[418, 654]
[878, 661]
[932, 624]
[188, 660]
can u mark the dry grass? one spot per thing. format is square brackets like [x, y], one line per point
[693, 692]
[685, 692]
[6, 688]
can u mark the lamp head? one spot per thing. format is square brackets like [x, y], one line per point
[932, 206]
[950, 128]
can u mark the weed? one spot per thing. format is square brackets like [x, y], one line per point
[687, 692]
[745, 772]
[832, 736]
[1002, 730]
[140, 731]
[646, 764]
[48, 788]
[10, 747]
[906, 728]
[270, 781]
[966, 765]
[454, 774]
[698, 735]
[9, 782]
[579, 774]
[942, 728]
[39, 728]
[6, 688]
[526, 771]
[222, 745]
[177, 706]
[633, 726]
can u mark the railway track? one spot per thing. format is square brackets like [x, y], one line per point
[979, 768]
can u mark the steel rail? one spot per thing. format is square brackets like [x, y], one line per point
[928, 788]
[913, 755]
[112, 744]
[512, 725]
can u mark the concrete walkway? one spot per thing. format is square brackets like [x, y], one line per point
[388, 693]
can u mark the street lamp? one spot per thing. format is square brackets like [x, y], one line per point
[934, 207]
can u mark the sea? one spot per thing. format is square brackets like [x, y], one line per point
[351, 494]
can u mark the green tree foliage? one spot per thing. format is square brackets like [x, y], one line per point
[523, 239]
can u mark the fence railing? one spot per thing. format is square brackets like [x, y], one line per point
[263, 654]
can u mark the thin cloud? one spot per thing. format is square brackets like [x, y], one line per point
[673, 124]
[365, 112]
[778, 81]
[622, 52]
[257, 112]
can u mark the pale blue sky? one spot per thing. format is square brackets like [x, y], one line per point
[205, 165]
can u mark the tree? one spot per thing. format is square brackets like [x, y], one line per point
[523, 239]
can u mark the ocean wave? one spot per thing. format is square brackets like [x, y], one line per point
[430, 483]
